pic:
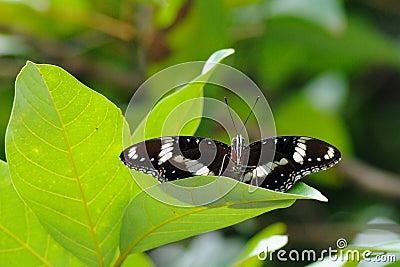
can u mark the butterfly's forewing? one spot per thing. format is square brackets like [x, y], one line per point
[293, 158]
[175, 157]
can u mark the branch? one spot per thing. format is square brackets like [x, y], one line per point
[372, 178]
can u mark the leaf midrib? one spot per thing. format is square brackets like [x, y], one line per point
[76, 174]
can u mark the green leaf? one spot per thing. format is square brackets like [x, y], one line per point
[23, 241]
[198, 204]
[180, 112]
[62, 145]
[138, 259]
[259, 243]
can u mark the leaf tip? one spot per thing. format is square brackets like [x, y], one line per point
[28, 62]
[217, 57]
[324, 198]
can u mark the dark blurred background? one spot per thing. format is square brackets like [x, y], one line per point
[329, 69]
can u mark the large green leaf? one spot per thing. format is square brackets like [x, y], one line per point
[149, 222]
[62, 145]
[23, 241]
[180, 112]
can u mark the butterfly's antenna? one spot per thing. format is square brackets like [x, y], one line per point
[230, 114]
[251, 111]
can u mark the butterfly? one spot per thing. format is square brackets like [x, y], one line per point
[275, 163]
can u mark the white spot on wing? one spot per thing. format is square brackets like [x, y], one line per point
[179, 159]
[166, 145]
[301, 151]
[165, 151]
[264, 170]
[330, 153]
[248, 176]
[297, 157]
[283, 161]
[302, 146]
[202, 171]
[132, 152]
[167, 139]
[261, 172]
[303, 139]
[165, 157]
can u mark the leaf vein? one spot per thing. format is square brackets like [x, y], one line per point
[39, 166]
[70, 101]
[40, 138]
[46, 191]
[104, 152]
[89, 135]
[38, 113]
[72, 219]
[80, 113]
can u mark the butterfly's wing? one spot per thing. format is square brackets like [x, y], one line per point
[278, 163]
[175, 157]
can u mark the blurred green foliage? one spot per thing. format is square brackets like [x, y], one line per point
[329, 69]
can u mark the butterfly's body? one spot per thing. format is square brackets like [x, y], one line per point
[273, 163]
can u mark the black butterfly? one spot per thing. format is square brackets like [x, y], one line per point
[275, 163]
